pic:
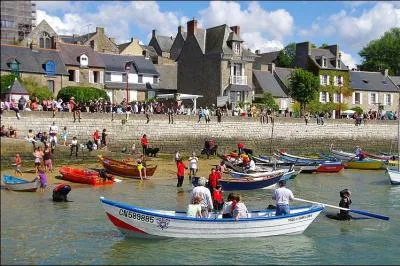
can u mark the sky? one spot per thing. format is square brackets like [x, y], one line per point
[264, 25]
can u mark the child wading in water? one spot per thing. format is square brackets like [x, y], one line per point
[43, 179]
[18, 163]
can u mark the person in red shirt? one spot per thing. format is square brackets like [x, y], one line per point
[96, 138]
[240, 147]
[145, 143]
[218, 172]
[212, 180]
[218, 200]
[181, 172]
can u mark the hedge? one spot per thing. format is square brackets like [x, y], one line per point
[81, 94]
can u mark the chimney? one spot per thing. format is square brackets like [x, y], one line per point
[153, 33]
[191, 27]
[180, 29]
[385, 72]
[100, 30]
[257, 51]
[334, 50]
[236, 29]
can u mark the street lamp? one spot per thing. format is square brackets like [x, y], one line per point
[127, 68]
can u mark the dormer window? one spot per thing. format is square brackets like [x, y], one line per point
[50, 68]
[84, 60]
[14, 66]
[338, 65]
[323, 62]
[236, 47]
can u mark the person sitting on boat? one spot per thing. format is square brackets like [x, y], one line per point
[359, 153]
[204, 193]
[140, 167]
[251, 165]
[345, 202]
[226, 209]
[194, 209]
[282, 195]
[239, 210]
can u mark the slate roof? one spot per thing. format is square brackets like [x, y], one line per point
[17, 88]
[371, 81]
[396, 80]
[122, 46]
[236, 87]
[200, 36]
[74, 39]
[168, 76]
[31, 61]
[268, 83]
[165, 42]
[150, 49]
[144, 66]
[122, 85]
[319, 52]
[116, 63]
[267, 58]
[70, 55]
[284, 74]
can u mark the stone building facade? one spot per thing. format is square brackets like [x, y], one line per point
[43, 36]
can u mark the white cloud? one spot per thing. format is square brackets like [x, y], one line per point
[68, 24]
[260, 28]
[354, 32]
[348, 60]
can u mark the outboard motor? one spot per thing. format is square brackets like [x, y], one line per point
[60, 192]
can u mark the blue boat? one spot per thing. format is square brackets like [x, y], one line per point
[19, 184]
[249, 184]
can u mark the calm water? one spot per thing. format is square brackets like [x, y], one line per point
[34, 230]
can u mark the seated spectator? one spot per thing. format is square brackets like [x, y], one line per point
[194, 209]
[4, 131]
[12, 133]
[227, 208]
[239, 210]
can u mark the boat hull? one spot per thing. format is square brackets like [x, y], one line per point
[330, 167]
[83, 176]
[244, 184]
[394, 176]
[364, 165]
[125, 169]
[140, 222]
[20, 185]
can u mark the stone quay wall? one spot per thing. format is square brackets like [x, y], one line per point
[187, 135]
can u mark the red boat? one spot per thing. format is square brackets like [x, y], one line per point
[330, 167]
[85, 176]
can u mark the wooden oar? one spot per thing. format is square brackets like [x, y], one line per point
[377, 216]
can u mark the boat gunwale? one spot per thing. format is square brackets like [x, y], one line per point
[149, 211]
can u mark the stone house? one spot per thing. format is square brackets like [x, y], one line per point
[132, 77]
[373, 91]
[98, 40]
[84, 66]
[130, 48]
[275, 81]
[45, 66]
[214, 62]
[326, 63]
[43, 36]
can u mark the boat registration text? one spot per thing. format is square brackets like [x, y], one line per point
[136, 216]
[300, 217]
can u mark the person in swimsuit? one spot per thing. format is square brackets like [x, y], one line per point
[140, 167]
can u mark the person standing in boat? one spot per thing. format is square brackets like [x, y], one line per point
[345, 202]
[282, 195]
[206, 199]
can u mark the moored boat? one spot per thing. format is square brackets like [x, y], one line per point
[248, 183]
[150, 223]
[19, 184]
[394, 176]
[366, 164]
[125, 169]
[85, 176]
[312, 165]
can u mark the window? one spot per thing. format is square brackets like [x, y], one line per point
[338, 98]
[338, 64]
[155, 79]
[357, 98]
[50, 68]
[83, 60]
[107, 76]
[124, 77]
[372, 98]
[50, 85]
[45, 40]
[324, 79]
[96, 76]
[323, 62]
[71, 75]
[388, 99]
[339, 81]
[324, 97]
[140, 78]
[236, 47]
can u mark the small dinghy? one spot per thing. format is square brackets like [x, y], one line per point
[18, 184]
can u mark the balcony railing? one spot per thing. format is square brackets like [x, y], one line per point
[239, 80]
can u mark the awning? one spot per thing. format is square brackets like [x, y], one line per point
[236, 87]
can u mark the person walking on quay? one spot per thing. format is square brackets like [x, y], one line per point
[207, 115]
[64, 135]
[201, 114]
[147, 113]
[193, 165]
[74, 145]
[180, 172]
[306, 118]
[96, 137]
[282, 195]
[145, 143]
[170, 112]
[14, 107]
[103, 139]
[263, 115]
[219, 115]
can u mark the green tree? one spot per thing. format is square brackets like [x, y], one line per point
[81, 94]
[267, 101]
[303, 86]
[383, 53]
[36, 90]
[6, 82]
[324, 45]
[287, 56]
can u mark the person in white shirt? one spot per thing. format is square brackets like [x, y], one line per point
[193, 161]
[53, 133]
[282, 195]
[74, 145]
[205, 195]
[227, 208]
[252, 165]
[239, 209]
[194, 209]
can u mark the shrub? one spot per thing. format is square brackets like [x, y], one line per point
[358, 110]
[6, 81]
[36, 90]
[81, 94]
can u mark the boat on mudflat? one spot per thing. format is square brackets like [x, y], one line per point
[125, 169]
[394, 176]
[18, 184]
[366, 164]
[302, 160]
[150, 223]
[311, 165]
[249, 183]
[85, 176]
